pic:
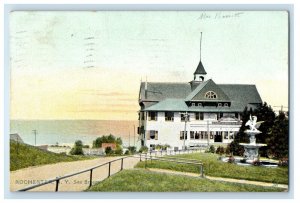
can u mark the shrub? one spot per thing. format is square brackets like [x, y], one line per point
[77, 149]
[212, 149]
[143, 149]
[165, 147]
[220, 150]
[86, 146]
[228, 149]
[283, 162]
[158, 147]
[132, 149]
[119, 150]
[108, 150]
[126, 152]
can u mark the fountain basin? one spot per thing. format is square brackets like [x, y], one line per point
[251, 151]
[252, 145]
[242, 162]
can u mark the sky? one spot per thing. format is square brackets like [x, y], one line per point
[89, 65]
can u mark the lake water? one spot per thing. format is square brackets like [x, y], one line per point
[68, 131]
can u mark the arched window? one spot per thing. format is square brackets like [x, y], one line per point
[210, 95]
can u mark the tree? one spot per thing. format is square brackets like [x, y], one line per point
[264, 113]
[77, 149]
[106, 139]
[109, 139]
[119, 141]
[278, 137]
[241, 137]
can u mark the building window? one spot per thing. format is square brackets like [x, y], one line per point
[210, 95]
[219, 104]
[152, 116]
[205, 135]
[182, 116]
[142, 116]
[199, 104]
[182, 135]
[200, 116]
[169, 116]
[192, 135]
[226, 104]
[202, 135]
[152, 135]
[226, 135]
[197, 135]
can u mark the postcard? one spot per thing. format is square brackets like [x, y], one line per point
[149, 101]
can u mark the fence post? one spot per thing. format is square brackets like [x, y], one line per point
[201, 170]
[151, 159]
[122, 164]
[91, 177]
[109, 168]
[57, 183]
[146, 161]
[140, 157]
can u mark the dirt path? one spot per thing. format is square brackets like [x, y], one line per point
[231, 180]
[30, 176]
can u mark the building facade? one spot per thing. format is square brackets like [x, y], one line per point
[192, 114]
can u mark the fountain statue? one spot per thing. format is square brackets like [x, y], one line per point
[251, 149]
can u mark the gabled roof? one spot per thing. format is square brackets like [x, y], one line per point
[172, 96]
[241, 95]
[169, 105]
[200, 69]
[157, 91]
[199, 93]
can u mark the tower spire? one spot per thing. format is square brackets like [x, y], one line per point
[200, 44]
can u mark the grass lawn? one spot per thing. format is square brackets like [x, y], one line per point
[23, 156]
[141, 180]
[214, 167]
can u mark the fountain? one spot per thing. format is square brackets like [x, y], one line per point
[251, 155]
[251, 149]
